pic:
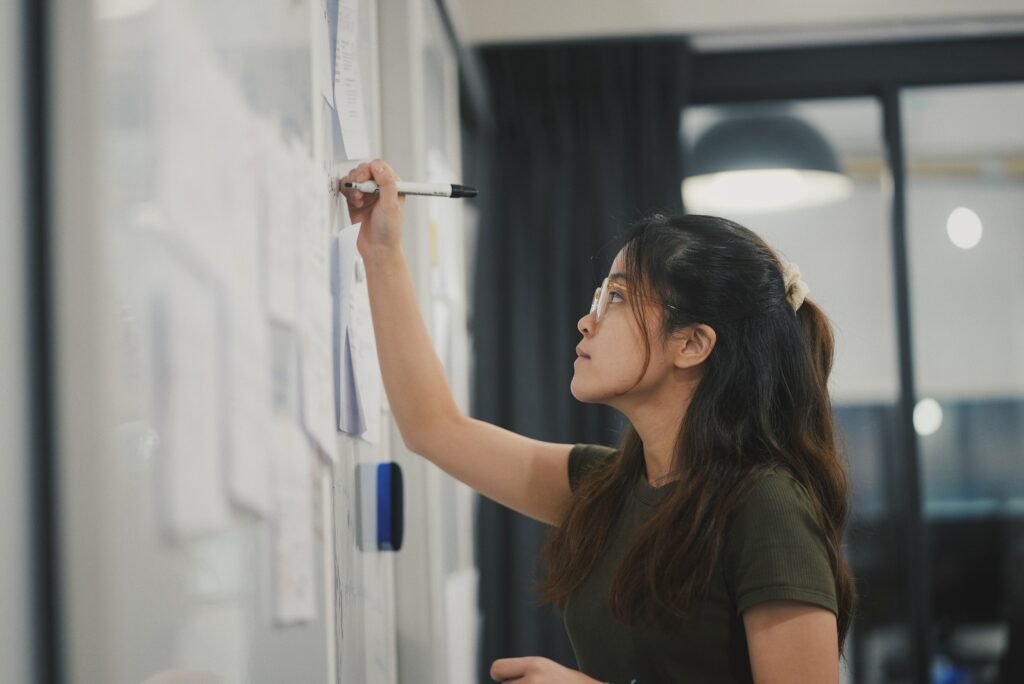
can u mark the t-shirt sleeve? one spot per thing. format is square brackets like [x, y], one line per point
[774, 548]
[584, 458]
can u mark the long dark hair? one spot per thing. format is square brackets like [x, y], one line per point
[763, 401]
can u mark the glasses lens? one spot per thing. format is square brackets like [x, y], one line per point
[602, 301]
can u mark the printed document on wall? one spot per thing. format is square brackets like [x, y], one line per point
[348, 83]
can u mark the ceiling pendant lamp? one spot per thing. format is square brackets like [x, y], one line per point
[760, 164]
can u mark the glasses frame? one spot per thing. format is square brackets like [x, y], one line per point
[599, 305]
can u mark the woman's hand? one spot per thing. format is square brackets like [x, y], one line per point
[379, 213]
[535, 670]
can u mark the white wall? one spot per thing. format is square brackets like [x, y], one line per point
[486, 21]
[967, 306]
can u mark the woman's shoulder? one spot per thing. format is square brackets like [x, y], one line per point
[584, 458]
[777, 507]
[773, 493]
[774, 546]
[775, 485]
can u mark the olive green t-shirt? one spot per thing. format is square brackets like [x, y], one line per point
[773, 549]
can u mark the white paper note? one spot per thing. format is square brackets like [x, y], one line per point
[461, 617]
[294, 590]
[446, 233]
[348, 83]
[187, 403]
[314, 231]
[317, 369]
[250, 407]
[363, 349]
[343, 257]
[282, 220]
[325, 29]
[315, 331]
[343, 251]
[198, 114]
[358, 385]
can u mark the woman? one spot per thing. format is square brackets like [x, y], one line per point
[706, 549]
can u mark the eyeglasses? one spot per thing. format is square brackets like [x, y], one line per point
[602, 296]
[600, 303]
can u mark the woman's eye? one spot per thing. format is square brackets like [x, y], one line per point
[613, 293]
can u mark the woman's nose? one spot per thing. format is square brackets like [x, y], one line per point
[586, 324]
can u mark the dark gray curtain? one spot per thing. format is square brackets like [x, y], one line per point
[585, 140]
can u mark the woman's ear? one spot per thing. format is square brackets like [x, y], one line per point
[694, 344]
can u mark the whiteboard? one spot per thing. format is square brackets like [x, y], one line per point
[162, 112]
[202, 606]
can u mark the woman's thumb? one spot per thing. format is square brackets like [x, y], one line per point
[387, 181]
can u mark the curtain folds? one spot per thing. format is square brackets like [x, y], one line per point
[585, 140]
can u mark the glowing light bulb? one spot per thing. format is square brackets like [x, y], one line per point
[964, 228]
[927, 417]
[756, 190]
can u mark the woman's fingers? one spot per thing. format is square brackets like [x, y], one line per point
[362, 173]
[361, 203]
[505, 669]
[357, 198]
[387, 179]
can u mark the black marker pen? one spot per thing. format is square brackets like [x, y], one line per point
[428, 189]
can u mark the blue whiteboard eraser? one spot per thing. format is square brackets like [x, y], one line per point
[390, 507]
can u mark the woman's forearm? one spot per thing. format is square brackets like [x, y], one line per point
[414, 379]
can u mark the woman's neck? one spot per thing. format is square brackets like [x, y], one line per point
[657, 420]
[658, 434]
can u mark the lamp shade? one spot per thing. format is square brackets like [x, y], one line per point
[762, 163]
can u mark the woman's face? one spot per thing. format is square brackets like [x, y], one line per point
[615, 348]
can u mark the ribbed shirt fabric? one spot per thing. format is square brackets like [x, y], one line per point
[773, 549]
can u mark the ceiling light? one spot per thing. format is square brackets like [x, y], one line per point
[760, 164]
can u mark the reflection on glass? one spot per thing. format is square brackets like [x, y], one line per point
[965, 185]
[843, 250]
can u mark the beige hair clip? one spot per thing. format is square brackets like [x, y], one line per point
[796, 288]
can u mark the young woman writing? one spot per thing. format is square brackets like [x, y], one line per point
[708, 548]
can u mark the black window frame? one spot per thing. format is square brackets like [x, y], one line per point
[880, 71]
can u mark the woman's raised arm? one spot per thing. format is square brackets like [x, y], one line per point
[527, 475]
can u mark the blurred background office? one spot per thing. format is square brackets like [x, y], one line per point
[879, 145]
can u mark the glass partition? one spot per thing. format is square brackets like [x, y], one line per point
[965, 199]
[843, 249]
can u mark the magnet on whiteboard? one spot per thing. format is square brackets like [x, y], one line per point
[389, 507]
[379, 507]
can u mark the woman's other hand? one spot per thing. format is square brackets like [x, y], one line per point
[379, 213]
[536, 670]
